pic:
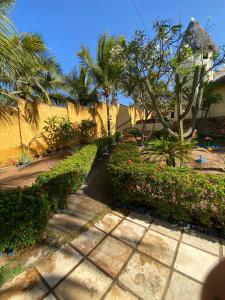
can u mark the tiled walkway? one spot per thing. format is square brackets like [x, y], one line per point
[123, 257]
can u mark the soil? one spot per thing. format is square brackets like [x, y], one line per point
[215, 161]
[21, 176]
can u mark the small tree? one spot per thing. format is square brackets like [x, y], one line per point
[137, 54]
[184, 79]
[106, 69]
[144, 61]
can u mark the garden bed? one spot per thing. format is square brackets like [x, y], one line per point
[181, 194]
[25, 212]
[25, 175]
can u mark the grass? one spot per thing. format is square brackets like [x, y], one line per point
[9, 271]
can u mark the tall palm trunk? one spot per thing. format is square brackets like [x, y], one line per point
[108, 113]
[20, 130]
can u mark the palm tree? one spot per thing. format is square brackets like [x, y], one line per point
[34, 78]
[169, 150]
[5, 5]
[81, 88]
[106, 68]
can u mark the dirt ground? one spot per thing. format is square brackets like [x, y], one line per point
[215, 160]
[20, 176]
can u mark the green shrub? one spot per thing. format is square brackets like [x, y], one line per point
[118, 135]
[68, 175]
[161, 133]
[125, 152]
[134, 131]
[179, 193]
[87, 130]
[24, 158]
[24, 213]
[60, 132]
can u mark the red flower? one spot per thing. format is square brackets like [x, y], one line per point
[38, 193]
[129, 161]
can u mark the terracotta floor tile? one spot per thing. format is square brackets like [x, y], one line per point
[57, 265]
[108, 222]
[166, 228]
[195, 263]
[129, 232]
[87, 240]
[141, 219]
[110, 255]
[145, 277]
[158, 246]
[84, 283]
[26, 286]
[116, 293]
[202, 241]
[183, 288]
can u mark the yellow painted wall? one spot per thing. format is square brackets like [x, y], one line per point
[218, 110]
[10, 146]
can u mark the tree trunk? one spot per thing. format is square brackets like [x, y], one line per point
[143, 133]
[108, 115]
[20, 130]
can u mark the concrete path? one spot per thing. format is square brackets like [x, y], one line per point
[125, 255]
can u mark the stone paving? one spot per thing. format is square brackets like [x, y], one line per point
[123, 257]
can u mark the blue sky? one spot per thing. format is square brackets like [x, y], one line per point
[65, 25]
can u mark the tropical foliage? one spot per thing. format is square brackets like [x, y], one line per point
[106, 68]
[81, 88]
[27, 70]
[169, 150]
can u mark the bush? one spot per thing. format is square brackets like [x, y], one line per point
[179, 193]
[134, 131]
[67, 176]
[161, 133]
[60, 132]
[118, 135]
[24, 213]
[87, 130]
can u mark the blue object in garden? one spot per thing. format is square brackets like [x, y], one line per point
[9, 251]
[215, 146]
[202, 160]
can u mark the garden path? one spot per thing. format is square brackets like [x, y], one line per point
[121, 255]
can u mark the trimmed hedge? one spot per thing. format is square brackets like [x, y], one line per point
[178, 193]
[24, 213]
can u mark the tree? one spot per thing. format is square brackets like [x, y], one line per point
[35, 77]
[139, 56]
[106, 68]
[185, 80]
[169, 150]
[81, 88]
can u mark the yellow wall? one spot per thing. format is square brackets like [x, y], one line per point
[218, 110]
[10, 145]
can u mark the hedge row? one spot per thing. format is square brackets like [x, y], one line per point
[24, 213]
[178, 193]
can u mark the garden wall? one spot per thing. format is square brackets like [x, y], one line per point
[18, 132]
[211, 126]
